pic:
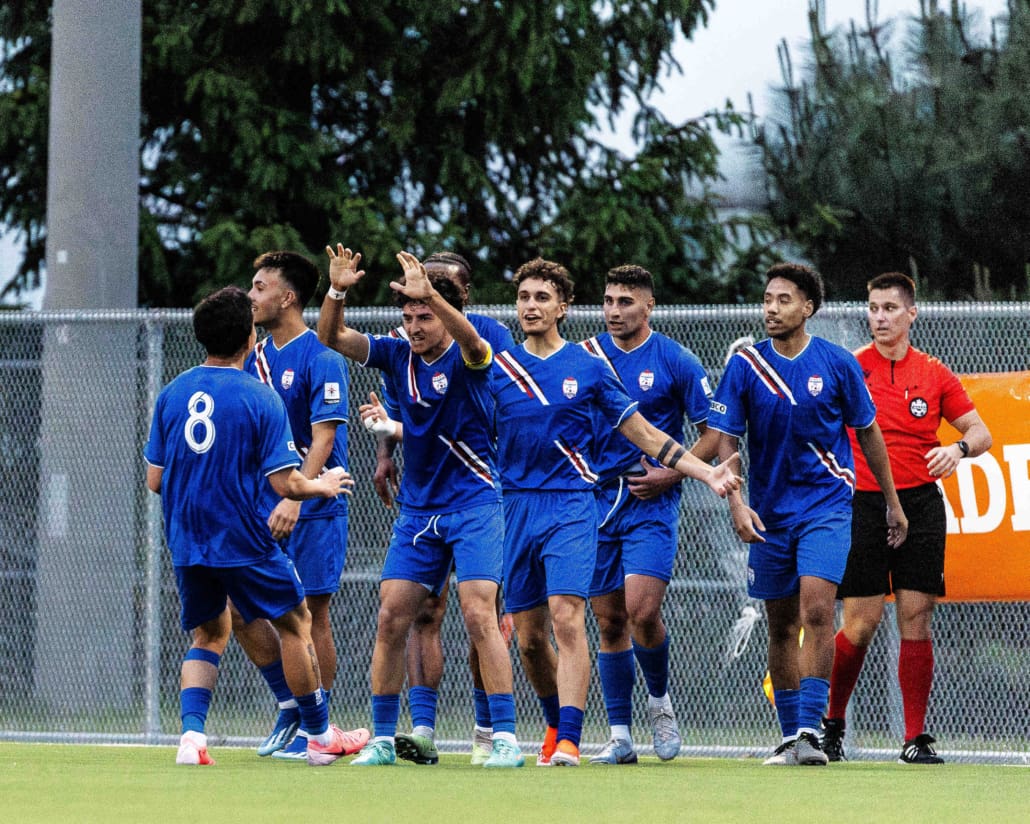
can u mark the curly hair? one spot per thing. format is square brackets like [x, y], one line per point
[807, 279]
[554, 273]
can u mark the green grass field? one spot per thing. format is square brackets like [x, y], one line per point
[64, 783]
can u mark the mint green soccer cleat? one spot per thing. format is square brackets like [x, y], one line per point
[419, 749]
[504, 754]
[480, 754]
[376, 754]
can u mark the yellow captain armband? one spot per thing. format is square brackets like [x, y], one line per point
[485, 362]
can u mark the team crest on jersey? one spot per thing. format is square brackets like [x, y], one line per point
[331, 392]
[815, 385]
[918, 407]
[569, 387]
[287, 379]
[645, 380]
[440, 382]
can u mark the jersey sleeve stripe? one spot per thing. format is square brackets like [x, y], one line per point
[476, 465]
[766, 374]
[578, 462]
[520, 377]
[829, 460]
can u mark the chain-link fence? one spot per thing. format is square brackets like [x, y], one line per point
[90, 643]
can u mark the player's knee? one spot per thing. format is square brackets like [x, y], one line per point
[646, 618]
[612, 632]
[394, 621]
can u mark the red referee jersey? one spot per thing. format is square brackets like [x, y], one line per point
[912, 395]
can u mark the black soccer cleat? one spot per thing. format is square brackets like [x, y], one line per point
[919, 751]
[833, 739]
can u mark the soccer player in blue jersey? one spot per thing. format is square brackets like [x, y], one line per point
[312, 380]
[639, 506]
[794, 394]
[216, 436]
[449, 497]
[425, 647]
[547, 397]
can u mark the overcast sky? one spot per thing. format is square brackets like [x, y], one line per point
[734, 55]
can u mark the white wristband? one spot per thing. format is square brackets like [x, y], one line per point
[336, 295]
[381, 426]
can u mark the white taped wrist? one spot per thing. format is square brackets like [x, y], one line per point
[381, 426]
[336, 294]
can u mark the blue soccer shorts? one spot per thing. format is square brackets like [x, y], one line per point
[636, 537]
[550, 546]
[817, 546]
[268, 588]
[424, 547]
[318, 547]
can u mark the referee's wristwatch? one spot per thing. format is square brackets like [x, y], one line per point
[963, 448]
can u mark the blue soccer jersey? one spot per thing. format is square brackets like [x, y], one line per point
[216, 433]
[545, 413]
[795, 412]
[312, 380]
[489, 329]
[667, 381]
[449, 456]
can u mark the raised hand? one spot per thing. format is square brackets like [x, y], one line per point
[343, 267]
[416, 283]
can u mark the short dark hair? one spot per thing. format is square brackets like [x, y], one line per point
[300, 273]
[889, 280]
[223, 321]
[807, 279]
[631, 275]
[452, 259]
[444, 285]
[554, 273]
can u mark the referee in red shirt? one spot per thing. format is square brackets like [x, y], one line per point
[913, 391]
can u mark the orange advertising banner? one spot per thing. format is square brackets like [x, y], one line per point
[988, 497]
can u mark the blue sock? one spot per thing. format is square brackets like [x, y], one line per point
[787, 704]
[276, 680]
[570, 727]
[502, 711]
[314, 714]
[326, 695]
[815, 692]
[194, 703]
[551, 708]
[422, 705]
[386, 709]
[654, 663]
[483, 718]
[618, 675]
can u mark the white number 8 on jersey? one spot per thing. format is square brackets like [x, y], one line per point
[201, 406]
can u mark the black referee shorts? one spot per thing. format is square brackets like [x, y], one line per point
[874, 568]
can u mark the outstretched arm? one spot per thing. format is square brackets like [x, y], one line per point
[290, 483]
[720, 479]
[417, 286]
[332, 330]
